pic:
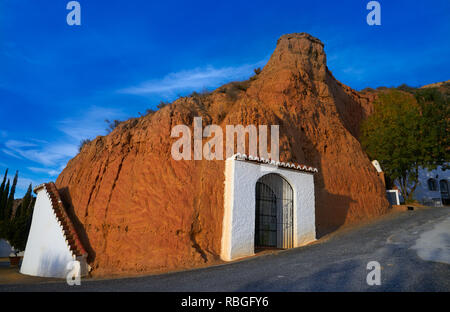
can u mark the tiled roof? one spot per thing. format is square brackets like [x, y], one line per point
[67, 226]
[261, 160]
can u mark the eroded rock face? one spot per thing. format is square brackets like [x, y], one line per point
[142, 211]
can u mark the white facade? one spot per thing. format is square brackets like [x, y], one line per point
[433, 187]
[241, 176]
[47, 252]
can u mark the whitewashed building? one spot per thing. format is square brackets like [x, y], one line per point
[433, 187]
[53, 243]
[266, 204]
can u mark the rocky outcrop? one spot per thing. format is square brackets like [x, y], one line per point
[142, 211]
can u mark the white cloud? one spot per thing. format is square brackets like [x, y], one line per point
[47, 171]
[10, 153]
[53, 156]
[195, 79]
[89, 125]
[23, 183]
[45, 153]
[19, 144]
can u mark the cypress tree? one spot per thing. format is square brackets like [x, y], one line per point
[4, 230]
[10, 204]
[26, 202]
[2, 187]
[21, 223]
[5, 201]
[2, 191]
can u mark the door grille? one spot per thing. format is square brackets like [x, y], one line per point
[274, 212]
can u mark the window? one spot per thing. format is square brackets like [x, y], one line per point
[432, 185]
[443, 186]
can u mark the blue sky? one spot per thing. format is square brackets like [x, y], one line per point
[58, 83]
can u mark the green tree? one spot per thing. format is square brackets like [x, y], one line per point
[26, 201]
[2, 191]
[407, 132]
[19, 226]
[16, 226]
[4, 222]
[10, 203]
[435, 123]
[4, 202]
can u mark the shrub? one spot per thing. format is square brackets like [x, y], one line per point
[112, 125]
[149, 111]
[83, 143]
[162, 104]
[404, 87]
[367, 90]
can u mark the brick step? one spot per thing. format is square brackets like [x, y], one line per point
[66, 229]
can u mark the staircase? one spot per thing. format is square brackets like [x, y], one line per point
[70, 234]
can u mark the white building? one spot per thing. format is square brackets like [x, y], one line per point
[53, 243]
[433, 189]
[266, 204]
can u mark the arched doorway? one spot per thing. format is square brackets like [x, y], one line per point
[274, 226]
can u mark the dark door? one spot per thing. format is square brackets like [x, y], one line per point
[273, 212]
[443, 185]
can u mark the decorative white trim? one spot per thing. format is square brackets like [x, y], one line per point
[262, 160]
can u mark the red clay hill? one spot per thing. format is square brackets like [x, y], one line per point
[141, 211]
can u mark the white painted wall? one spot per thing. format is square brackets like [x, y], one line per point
[422, 192]
[238, 232]
[46, 252]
